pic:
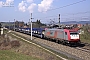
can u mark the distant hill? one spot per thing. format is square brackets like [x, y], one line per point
[7, 23]
[68, 22]
[76, 22]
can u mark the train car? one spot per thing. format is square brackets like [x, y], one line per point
[26, 30]
[38, 32]
[69, 36]
[19, 30]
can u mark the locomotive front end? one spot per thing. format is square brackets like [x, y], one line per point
[74, 37]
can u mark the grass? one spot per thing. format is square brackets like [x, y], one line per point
[86, 36]
[9, 55]
[12, 55]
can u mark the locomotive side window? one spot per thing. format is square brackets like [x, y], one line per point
[51, 32]
[65, 33]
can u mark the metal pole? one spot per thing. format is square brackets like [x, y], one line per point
[9, 25]
[31, 26]
[14, 24]
[59, 20]
[31, 30]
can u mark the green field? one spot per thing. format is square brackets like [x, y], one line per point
[9, 55]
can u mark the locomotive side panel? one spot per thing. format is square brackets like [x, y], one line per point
[50, 33]
[56, 34]
[60, 34]
[46, 33]
[65, 35]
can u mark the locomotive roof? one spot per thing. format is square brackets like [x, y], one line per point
[54, 29]
[71, 30]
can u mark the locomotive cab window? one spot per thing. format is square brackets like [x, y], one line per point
[51, 32]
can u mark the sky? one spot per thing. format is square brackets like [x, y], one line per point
[44, 10]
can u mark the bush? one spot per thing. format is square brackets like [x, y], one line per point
[15, 43]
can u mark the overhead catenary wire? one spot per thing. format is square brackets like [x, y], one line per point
[68, 5]
[68, 14]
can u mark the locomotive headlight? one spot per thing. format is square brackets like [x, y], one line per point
[34, 31]
[43, 32]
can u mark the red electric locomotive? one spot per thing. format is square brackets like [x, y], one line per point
[63, 35]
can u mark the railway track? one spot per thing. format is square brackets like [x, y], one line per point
[84, 47]
[73, 51]
[86, 44]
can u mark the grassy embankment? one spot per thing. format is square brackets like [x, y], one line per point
[9, 55]
[86, 36]
[26, 51]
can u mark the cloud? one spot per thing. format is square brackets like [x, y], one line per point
[45, 5]
[22, 6]
[31, 7]
[26, 5]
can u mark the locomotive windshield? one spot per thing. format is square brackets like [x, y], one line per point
[74, 33]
